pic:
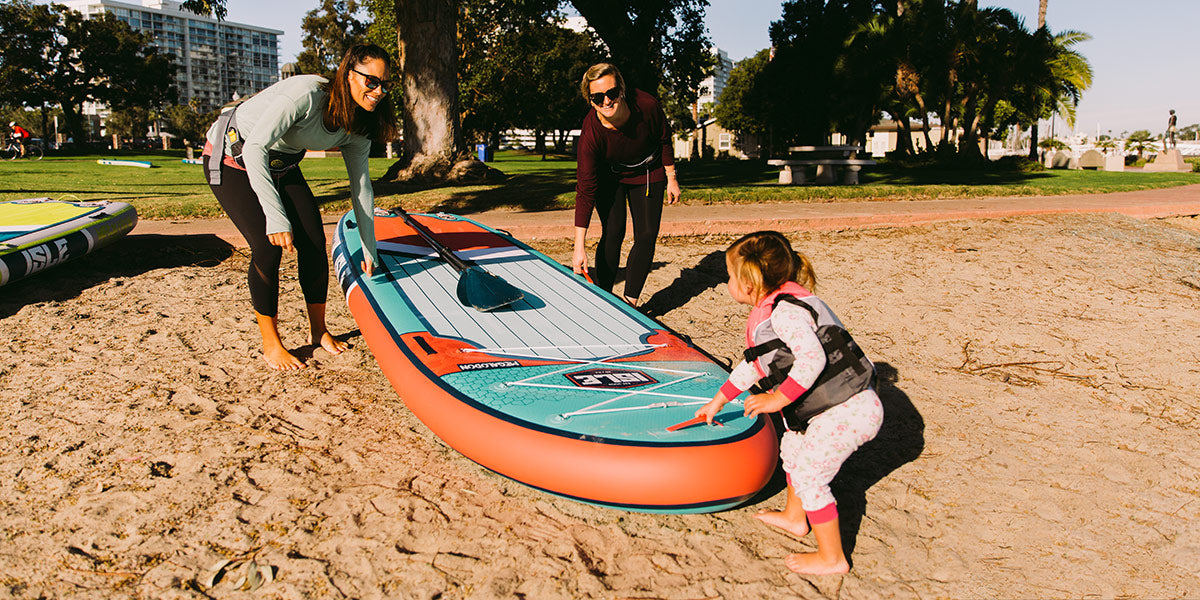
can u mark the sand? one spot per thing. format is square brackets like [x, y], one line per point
[1040, 436]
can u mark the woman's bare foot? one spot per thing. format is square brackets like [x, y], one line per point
[273, 351]
[811, 563]
[281, 360]
[784, 522]
[331, 344]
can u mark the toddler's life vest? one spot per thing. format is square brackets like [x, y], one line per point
[847, 370]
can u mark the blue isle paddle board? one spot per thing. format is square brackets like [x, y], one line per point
[39, 233]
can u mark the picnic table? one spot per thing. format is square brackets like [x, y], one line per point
[826, 159]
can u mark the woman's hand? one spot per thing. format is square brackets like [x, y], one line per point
[714, 406]
[770, 402]
[283, 239]
[579, 258]
[673, 191]
[367, 264]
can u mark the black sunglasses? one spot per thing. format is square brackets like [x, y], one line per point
[598, 98]
[374, 82]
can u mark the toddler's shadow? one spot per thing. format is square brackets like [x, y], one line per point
[901, 440]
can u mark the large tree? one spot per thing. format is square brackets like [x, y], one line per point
[831, 77]
[746, 104]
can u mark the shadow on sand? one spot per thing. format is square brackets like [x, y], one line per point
[901, 440]
[128, 257]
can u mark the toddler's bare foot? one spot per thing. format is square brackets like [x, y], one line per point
[811, 563]
[331, 344]
[784, 522]
[280, 359]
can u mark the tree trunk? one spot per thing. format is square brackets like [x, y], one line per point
[904, 137]
[1033, 141]
[73, 122]
[426, 33]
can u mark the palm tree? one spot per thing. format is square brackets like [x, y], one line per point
[1033, 130]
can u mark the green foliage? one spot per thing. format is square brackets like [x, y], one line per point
[67, 60]
[215, 8]
[1139, 141]
[747, 103]
[128, 122]
[329, 31]
[188, 122]
[518, 68]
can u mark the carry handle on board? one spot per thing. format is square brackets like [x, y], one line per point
[477, 288]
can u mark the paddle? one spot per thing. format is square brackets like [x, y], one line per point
[690, 422]
[476, 287]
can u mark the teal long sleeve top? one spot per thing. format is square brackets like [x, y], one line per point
[288, 117]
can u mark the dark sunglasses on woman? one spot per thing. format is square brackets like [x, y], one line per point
[598, 98]
[374, 82]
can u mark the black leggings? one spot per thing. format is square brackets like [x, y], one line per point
[308, 235]
[645, 206]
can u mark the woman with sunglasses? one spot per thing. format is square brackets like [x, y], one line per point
[252, 162]
[624, 158]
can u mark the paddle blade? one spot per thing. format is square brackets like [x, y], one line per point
[485, 292]
[690, 422]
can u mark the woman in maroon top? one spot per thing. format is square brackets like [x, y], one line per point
[624, 158]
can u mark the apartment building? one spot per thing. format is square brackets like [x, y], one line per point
[216, 60]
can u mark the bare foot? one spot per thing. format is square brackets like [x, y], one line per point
[282, 360]
[630, 301]
[333, 345]
[811, 563]
[784, 522]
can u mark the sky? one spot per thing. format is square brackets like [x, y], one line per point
[1138, 50]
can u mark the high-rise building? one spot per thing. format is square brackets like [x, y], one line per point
[216, 61]
[711, 88]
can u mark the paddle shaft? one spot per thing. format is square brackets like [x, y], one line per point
[442, 251]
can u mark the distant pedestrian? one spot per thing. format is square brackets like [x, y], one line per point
[625, 158]
[253, 155]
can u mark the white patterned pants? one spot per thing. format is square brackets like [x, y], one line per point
[812, 459]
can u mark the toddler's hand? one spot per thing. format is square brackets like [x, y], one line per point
[714, 406]
[769, 402]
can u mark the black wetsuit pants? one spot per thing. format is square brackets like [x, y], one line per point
[240, 202]
[645, 207]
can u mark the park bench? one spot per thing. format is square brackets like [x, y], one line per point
[826, 159]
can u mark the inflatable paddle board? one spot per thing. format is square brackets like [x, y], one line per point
[126, 163]
[568, 390]
[39, 233]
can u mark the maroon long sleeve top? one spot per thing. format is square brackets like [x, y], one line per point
[605, 156]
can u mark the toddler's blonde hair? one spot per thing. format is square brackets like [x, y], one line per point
[766, 260]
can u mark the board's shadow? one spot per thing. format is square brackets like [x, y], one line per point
[130, 256]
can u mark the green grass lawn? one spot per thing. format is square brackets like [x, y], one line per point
[173, 189]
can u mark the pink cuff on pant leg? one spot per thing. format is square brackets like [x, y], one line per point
[823, 515]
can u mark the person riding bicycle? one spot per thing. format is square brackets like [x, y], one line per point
[19, 135]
